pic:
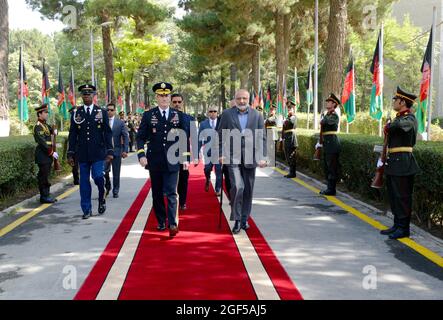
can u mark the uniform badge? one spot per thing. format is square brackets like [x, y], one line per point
[154, 130]
[175, 120]
[99, 115]
[78, 118]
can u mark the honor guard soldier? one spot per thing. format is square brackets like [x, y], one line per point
[90, 140]
[155, 126]
[401, 166]
[44, 153]
[290, 142]
[331, 144]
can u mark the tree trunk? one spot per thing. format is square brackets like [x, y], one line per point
[222, 90]
[145, 90]
[4, 43]
[287, 26]
[244, 77]
[256, 66]
[279, 49]
[233, 79]
[128, 99]
[335, 47]
[109, 60]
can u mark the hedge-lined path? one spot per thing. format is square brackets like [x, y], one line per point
[324, 249]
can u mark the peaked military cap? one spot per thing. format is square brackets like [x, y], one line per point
[43, 107]
[332, 97]
[87, 89]
[162, 88]
[292, 100]
[405, 95]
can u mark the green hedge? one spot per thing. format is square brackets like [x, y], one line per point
[18, 170]
[358, 163]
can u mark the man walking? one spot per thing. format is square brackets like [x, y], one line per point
[243, 126]
[120, 140]
[90, 139]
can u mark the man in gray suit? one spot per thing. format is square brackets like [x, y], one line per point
[242, 148]
[120, 140]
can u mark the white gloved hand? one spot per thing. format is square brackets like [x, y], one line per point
[318, 146]
[55, 132]
[55, 155]
[380, 163]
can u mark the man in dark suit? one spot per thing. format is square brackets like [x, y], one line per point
[156, 125]
[90, 140]
[207, 138]
[120, 139]
[242, 148]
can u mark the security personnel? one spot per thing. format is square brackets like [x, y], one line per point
[290, 142]
[331, 144]
[44, 153]
[90, 140]
[401, 166]
[155, 127]
[75, 168]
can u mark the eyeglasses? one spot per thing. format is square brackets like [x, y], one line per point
[213, 111]
[177, 102]
[112, 110]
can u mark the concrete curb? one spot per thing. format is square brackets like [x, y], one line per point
[423, 237]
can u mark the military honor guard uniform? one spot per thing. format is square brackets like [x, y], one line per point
[401, 166]
[155, 126]
[290, 142]
[44, 153]
[90, 140]
[331, 146]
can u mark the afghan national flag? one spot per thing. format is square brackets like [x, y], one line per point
[348, 96]
[376, 107]
[279, 104]
[252, 99]
[425, 87]
[261, 101]
[256, 101]
[119, 102]
[71, 91]
[23, 112]
[268, 102]
[45, 88]
[309, 88]
[285, 97]
[61, 104]
[296, 90]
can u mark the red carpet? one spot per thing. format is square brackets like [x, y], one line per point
[201, 263]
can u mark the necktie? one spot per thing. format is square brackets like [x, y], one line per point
[89, 111]
[164, 115]
[212, 124]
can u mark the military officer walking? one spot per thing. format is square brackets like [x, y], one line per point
[155, 126]
[90, 139]
[331, 144]
[290, 142]
[44, 153]
[401, 166]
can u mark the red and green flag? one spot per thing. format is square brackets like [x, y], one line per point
[119, 102]
[61, 103]
[46, 88]
[284, 98]
[348, 96]
[376, 106]
[261, 101]
[71, 91]
[425, 87]
[23, 91]
[268, 102]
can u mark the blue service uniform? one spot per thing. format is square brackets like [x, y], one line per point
[90, 142]
[154, 130]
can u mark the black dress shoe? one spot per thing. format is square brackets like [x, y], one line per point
[47, 200]
[76, 183]
[173, 231]
[399, 233]
[102, 207]
[245, 226]
[290, 176]
[328, 192]
[161, 227]
[389, 231]
[237, 228]
[87, 215]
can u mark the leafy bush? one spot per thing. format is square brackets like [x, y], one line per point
[358, 164]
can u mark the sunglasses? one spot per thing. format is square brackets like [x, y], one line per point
[112, 110]
[177, 102]
[213, 111]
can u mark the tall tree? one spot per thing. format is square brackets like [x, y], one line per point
[335, 47]
[4, 42]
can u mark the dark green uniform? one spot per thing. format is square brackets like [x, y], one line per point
[331, 149]
[290, 144]
[43, 158]
[271, 123]
[401, 168]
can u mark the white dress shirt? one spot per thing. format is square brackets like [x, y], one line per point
[167, 112]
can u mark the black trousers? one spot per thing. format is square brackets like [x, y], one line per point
[44, 170]
[75, 171]
[182, 188]
[165, 183]
[400, 198]
[116, 168]
[331, 167]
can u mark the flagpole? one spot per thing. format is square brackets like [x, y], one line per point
[62, 117]
[73, 86]
[21, 91]
[316, 69]
[380, 124]
[434, 19]
[92, 57]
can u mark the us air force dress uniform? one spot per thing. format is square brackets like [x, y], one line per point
[155, 126]
[90, 140]
[44, 156]
[331, 147]
[401, 166]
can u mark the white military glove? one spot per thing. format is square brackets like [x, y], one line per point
[55, 155]
[318, 146]
[380, 163]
